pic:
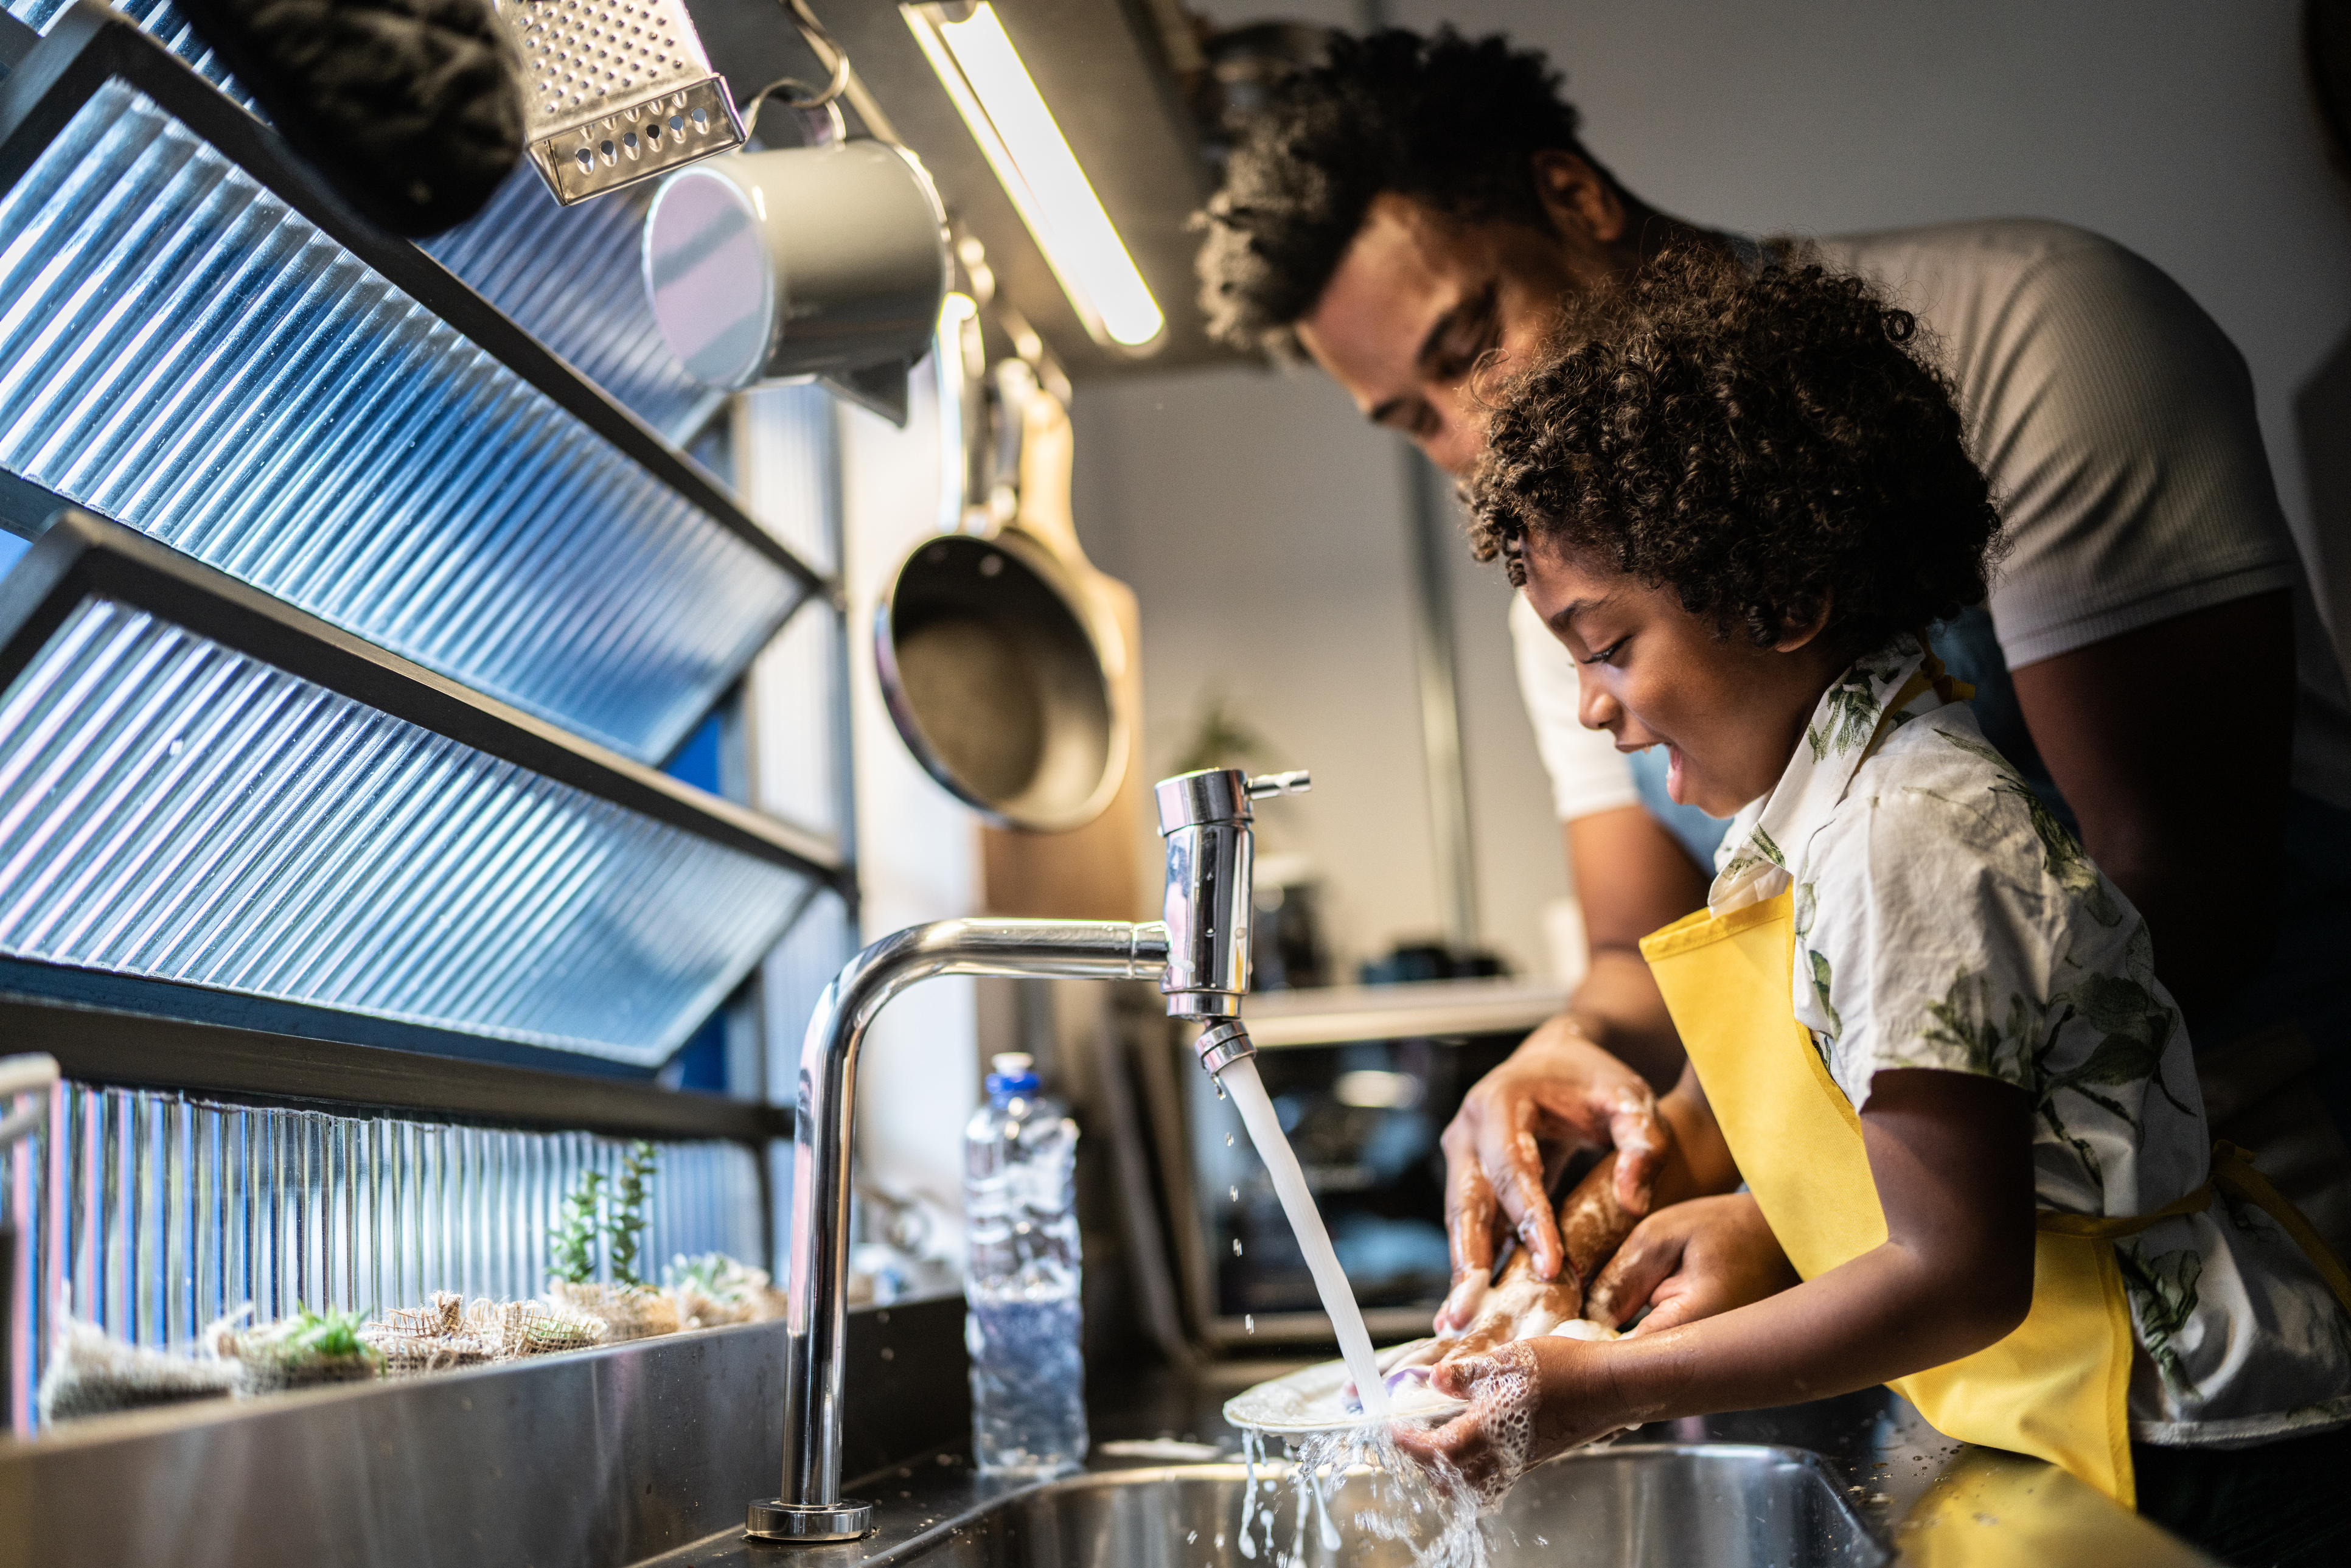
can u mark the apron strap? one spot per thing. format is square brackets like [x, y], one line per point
[1928, 674]
[2232, 1173]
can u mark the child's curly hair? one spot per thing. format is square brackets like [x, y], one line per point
[1767, 445]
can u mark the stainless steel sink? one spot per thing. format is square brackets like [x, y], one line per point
[1722, 1505]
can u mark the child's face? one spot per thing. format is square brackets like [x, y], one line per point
[1727, 712]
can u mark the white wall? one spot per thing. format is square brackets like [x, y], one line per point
[917, 849]
[1263, 527]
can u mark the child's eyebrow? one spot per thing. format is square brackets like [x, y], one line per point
[1566, 613]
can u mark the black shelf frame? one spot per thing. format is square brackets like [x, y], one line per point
[90, 44]
[110, 1048]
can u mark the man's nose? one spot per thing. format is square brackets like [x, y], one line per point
[1457, 443]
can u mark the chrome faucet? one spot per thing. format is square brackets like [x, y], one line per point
[1200, 956]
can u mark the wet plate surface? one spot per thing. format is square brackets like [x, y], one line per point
[1317, 1399]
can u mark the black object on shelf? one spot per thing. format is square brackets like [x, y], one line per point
[1413, 961]
[408, 107]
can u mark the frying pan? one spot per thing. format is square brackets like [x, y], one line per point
[1001, 651]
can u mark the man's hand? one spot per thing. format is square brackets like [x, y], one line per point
[1690, 1260]
[1558, 1087]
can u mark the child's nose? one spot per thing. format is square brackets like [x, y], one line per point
[1594, 708]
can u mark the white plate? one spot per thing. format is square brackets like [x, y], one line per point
[1308, 1401]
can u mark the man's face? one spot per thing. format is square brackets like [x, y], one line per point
[1420, 299]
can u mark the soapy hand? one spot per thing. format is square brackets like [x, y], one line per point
[1557, 1087]
[1591, 1222]
[1528, 1400]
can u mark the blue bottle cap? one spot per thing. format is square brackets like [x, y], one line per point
[1014, 1076]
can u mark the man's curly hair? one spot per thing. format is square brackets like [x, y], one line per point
[1766, 445]
[1449, 121]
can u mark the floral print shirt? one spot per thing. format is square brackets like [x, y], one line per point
[1945, 920]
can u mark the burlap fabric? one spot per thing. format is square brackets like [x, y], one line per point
[627, 1312]
[91, 1373]
[448, 1332]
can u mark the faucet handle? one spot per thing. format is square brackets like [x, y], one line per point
[1297, 782]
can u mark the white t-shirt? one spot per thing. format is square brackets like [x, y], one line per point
[2114, 421]
[1944, 920]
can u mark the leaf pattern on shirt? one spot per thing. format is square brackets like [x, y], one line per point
[2162, 1293]
[1821, 989]
[2134, 1028]
[2017, 1050]
[1758, 849]
[1963, 1021]
[1807, 907]
[1848, 713]
[2061, 855]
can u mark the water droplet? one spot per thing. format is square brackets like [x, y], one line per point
[1234, 1193]
[1236, 1246]
[1229, 1140]
[1190, 1536]
[1249, 1323]
[1220, 1087]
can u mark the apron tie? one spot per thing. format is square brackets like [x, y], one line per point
[2233, 1172]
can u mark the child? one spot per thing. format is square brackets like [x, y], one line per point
[1923, 1028]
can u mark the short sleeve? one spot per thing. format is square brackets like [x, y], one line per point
[1922, 933]
[1588, 774]
[2116, 420]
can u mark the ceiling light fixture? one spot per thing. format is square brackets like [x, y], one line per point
[992, 90]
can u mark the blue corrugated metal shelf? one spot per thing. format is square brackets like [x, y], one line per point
[200, 341]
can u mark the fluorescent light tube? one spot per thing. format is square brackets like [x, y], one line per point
[993, 92]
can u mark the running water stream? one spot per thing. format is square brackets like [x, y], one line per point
[1241, 1082]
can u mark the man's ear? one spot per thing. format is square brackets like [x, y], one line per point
[1796, 636]
[1578, 198]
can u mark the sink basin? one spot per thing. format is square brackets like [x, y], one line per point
[1722, 1505]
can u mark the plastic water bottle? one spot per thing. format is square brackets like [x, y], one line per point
[1028, 1374]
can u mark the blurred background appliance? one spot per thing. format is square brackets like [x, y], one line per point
[1364, 1079]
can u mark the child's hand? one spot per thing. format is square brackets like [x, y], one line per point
[1690, 1260]
[1528, 1400]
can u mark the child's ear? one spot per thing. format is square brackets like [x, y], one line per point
[1795, 634]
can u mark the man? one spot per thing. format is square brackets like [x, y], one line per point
[1410, 215]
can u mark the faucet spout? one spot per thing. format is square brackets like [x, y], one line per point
[812, 1507]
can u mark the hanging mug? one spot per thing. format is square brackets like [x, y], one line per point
[802, 261]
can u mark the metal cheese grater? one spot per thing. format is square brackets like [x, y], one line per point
[615, 91]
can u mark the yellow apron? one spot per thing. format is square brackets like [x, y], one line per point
[2057, 1386]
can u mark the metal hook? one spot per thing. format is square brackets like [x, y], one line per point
[820, 119]
[822, 42]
